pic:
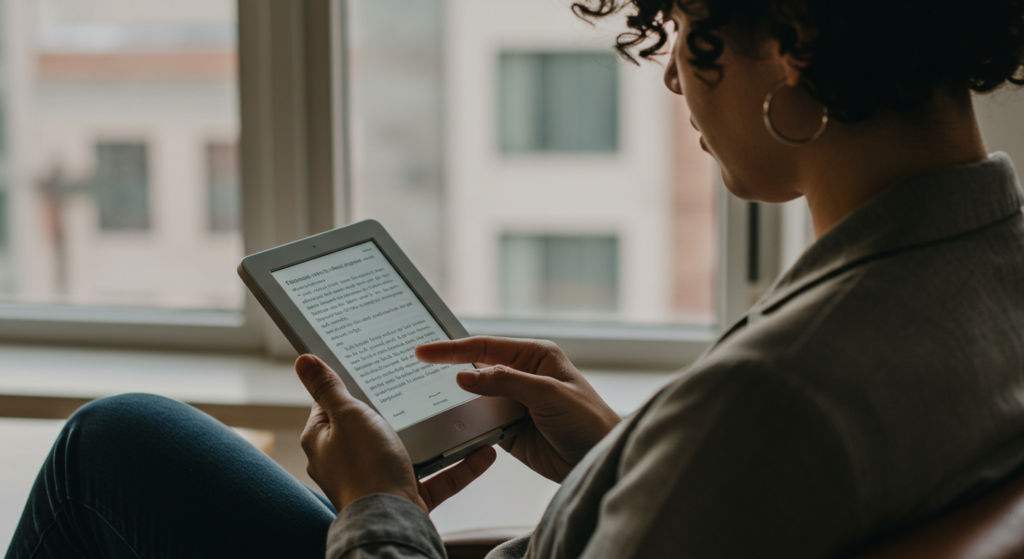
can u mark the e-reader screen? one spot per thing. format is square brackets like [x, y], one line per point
[372, 321]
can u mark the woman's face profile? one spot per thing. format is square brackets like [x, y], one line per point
[726, 108]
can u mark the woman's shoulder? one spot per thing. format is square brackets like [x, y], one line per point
[956, 303]
[909, 358]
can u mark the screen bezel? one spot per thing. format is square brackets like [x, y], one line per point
[427, 438]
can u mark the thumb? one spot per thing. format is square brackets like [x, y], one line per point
[533, 391]
[322, 383]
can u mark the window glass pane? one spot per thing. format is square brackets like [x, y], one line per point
[566, 274]
[555, 101]
[526, 169]
[118, 166]
[121, 186]
[222, 183]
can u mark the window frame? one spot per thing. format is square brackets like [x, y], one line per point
[294, 183]
[288, 151]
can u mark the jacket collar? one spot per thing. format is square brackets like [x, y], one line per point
[913, 212]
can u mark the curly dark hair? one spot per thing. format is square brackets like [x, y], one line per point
[860, 55]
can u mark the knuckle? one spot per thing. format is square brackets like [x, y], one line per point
[501, 373]
[547, 344]
[327, 384]
[308, 439]
[549, 347]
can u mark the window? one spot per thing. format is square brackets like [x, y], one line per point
[108, 169]
[121, 186]
[558, 102]
[473, 125]
[456, 123]
[544, 274]
[223, 202]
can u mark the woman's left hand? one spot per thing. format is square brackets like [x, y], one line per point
[354, 452]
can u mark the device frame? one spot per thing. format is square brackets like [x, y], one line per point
[433, 443]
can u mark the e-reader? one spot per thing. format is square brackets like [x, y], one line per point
[351, 297]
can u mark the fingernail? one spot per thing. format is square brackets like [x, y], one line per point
[307, 365]
[468, 379]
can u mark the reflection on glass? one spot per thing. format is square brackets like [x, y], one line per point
[119, 173]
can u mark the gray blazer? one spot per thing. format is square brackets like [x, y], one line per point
[878, 381]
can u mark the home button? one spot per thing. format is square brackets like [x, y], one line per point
[460, 425]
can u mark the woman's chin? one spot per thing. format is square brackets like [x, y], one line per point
[756, 191]
[739, 189]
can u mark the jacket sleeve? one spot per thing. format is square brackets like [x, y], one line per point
[745, 465]
[383, 526]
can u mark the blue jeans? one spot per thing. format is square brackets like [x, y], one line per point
[144, 476]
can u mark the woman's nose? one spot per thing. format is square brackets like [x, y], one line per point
[672, 77]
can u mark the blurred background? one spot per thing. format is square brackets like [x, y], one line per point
[530, 173]
[119, 154]
[525, 168]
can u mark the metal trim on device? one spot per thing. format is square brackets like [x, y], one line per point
[471, 443]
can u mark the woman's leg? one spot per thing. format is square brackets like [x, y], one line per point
[144, 476]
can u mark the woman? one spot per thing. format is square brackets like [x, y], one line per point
[878, 382]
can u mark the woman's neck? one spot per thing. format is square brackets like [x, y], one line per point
[859, 161]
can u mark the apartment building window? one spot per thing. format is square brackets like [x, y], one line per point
[558, 102]
[108, 110]
[223, 200]
[121, 184]
[493, 139]
[552, 273]
[419, 109]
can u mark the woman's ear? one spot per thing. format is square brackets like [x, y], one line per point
[792, 70]
[793, 67]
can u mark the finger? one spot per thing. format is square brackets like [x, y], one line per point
[455, 479]
[507, 444]
[533, 391]
[322, 383]
[483, 349]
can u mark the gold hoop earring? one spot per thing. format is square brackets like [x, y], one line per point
[767, 108]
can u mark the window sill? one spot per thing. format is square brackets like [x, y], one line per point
[588, 344]
[213, 378]
[128, 327]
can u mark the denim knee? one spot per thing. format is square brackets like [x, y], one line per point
[127, 413]
[130, 407]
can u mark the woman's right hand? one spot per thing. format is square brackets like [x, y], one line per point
[569, 418]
